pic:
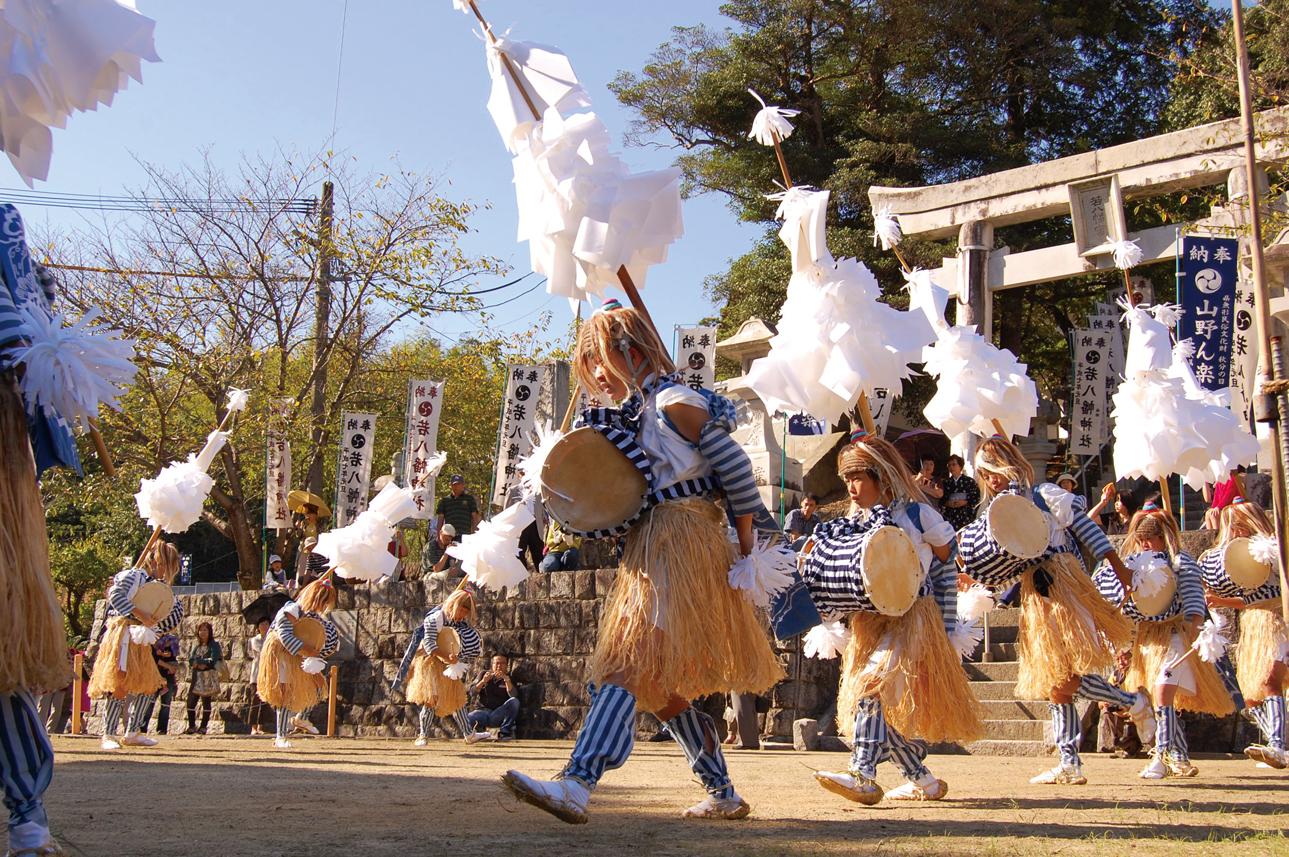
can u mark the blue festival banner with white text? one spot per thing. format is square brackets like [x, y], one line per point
[1206, 291]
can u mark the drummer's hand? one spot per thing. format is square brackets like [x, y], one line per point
[452, 659]
[1194, 623]
[746, 538]
[1121, 571]
[307, 652]
[965, 582]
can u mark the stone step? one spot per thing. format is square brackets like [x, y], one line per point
[1013, 709]
[1002, 651]
[994, 690]
[1014, 730]
[991, 747]
[995, 671]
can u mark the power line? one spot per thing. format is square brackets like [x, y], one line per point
[98, 202]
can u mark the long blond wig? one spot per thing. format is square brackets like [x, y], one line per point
[1246, 513]
[161, 561]
[460, 598]
[1151, 522]
[1001, 456]
[614, 331]
[318, 597]
[878, 459]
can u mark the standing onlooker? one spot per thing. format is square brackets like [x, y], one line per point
[802, 522]
[204, 660]
[435, 562]
[927, 481]
[165, 651]
[1067, 482]
[562, 549]
[497, 700]
[961, 495]
[458, 508]
[255, 713]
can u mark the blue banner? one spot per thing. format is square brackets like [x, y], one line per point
[1206, 291]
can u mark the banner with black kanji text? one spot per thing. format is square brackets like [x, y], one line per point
[518, 423]
[424, 404]
[353, 472]
[696, 355]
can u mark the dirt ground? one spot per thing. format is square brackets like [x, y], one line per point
[238, 796]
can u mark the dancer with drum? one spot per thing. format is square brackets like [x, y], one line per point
[1069, 634]
[1166, 604]
[435, 662]
[290, 670]
[874, 569]
[672, 629]
[140, 607]
[1239, 574]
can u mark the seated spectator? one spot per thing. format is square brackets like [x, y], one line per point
[276, 574]
[562, 550]
[498, 703]
[436, 563]
[802, 522]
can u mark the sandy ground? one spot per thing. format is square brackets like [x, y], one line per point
[239, 796]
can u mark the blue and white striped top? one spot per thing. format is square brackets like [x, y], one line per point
[832, 568]
[1213, 572]
[120, 598]
[285, 629]
[426, 638]
[1188, 600]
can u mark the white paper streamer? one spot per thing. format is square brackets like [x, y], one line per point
[312, 665]
[826, 641]
[237, 399]
[886, 228]
[546, 440]
[771, 123]
[766, 571]
[489, 554]
[966, 636]
[1127, 254]
[456, 671]
[974, 603]
[174, 498]
[72, 369]
[360, 551]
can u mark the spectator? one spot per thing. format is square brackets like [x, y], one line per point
[802, 522]
[530, 540]
[276, 575]
[1069, 483]
[562, 549]
[927, 481]
[961, 495]
[165, 651]
[498, 703]
[1220, 496]
[1116, 733]
[436, 562]
[255, 714]
[204, 661]
[459, 509]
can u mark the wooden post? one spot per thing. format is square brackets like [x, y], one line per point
[104, 457]
[333, 681]
[975, 301]
[78, 673]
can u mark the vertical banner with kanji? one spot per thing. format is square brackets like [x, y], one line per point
[1088, 420]
[1207, 294]
[1109, 324]
[880, 404]
[518, 422]
[353, 473]
[277, 480]
[424, 403]
[1244, 351]
[696, 355]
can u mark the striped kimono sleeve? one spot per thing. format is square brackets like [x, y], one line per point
[1109, 585]
[120, 596]
[1190, 586]
[331, 642]
[173, 618]
[432, 625]
[286, 629]
[1086, 532]
[734, 470]
[471, 644]
[944, 586]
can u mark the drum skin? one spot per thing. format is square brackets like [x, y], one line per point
[589, 485]
[1239, 564]
[1157, 602]
[154, 599]
[1018, 526]
[311, 633]
[891, 571]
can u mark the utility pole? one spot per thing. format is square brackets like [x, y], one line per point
[321, 337]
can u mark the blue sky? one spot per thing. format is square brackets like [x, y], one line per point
[239, 77]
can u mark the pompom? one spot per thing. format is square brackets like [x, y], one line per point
[966, 637]
[456, 671]
[1127, 254]
[886, 229]
[826, 641]
[1265, 549]
[771, 123]
[534, 461]
[1184, 350]
[1168, 314]
[237, 399]
[360, 551]
[434, 465]
[142, 635]
[173, 500]
[489, 554]
[313, 666]
[767, 570]
[73, 369]
[1211, 642]
[1150, 573]
[974, 603]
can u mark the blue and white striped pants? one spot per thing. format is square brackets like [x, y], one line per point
[875, 742]
[27, 763]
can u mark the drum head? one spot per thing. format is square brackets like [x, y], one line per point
[1157, 602]
[1244, 571]
[891, 571]
[1018, 526]
[311, 633]
[154, 599]
[447, 642]
[589, 485]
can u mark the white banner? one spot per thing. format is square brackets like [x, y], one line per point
[696, 355]
[518, 422]
[1109, 323]
[424, 403]
[353, 473]
[277, 483]
[880, 405]
[1091, 363]
[1244, 350]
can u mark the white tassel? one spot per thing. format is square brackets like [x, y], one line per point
[1212, 642]
[360, 551]
[1168, 314]
[237, 399]
[966, 637]
[1265, 549]
[1183, 351]
[1127, 254]
[461, 6]
[456, 671]
[771, 123]
[533, 462]
[1149, 573]
[142, 635]
[73, 369]
[313, 666]
[974, 603]
[886, 228]
[764, 572]
[826, 641]
[489, 554]
[173, 500]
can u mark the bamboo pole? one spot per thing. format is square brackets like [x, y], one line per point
[78, 680]
[333, 682]
[104, 457]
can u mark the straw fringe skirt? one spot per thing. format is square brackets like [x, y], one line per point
[1263, 641]
[1073, 631]
[672, 626]
[282, 681]
[908, 661]
[33, 640]
[141, 674]
[1150, 651]
[427, 685]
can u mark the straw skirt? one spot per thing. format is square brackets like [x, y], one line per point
[672, 626]
[140, 675]
[909, 662]
[428, 686]
[1263, 641]
[1069, 632]
[282, 682]
[1199, 687]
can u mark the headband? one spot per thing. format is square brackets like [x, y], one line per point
[609, 305]
[858, 434]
